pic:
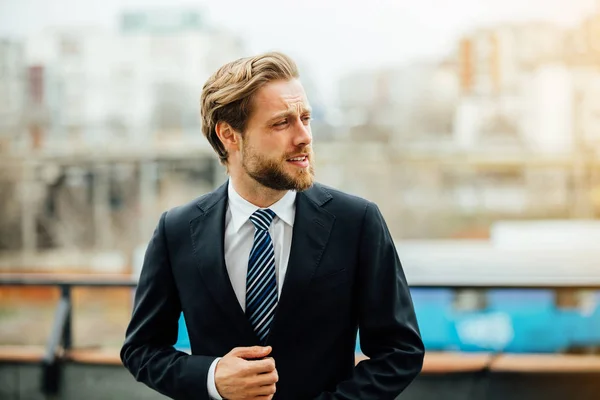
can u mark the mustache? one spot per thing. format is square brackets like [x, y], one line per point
[303, 150]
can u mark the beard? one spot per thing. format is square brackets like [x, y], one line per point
[271, 173]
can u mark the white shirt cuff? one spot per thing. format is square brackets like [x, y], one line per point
[212, 387]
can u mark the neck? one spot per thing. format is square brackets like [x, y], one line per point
[255, 193]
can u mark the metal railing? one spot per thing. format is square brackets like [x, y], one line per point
[60, 339]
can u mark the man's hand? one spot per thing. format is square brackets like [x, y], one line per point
[245, 373]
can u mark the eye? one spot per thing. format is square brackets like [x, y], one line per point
[280, 123]
[306, 119]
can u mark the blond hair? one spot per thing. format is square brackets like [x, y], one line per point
[227, 94]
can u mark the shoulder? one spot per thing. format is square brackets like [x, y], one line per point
[341, 196]
[338, 201]
[181, 215]
[183, 212]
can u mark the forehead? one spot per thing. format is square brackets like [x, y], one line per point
[280, 96]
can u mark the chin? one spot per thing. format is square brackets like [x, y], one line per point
[304, 188]
[304, 184]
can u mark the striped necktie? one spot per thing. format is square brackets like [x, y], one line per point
[261, 281]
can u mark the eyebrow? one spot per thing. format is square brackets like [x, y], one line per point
[289, 112]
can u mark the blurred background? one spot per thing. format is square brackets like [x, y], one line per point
[473, 124]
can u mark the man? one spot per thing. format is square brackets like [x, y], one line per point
[274, 273]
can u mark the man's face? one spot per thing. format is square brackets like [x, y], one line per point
[276, 148]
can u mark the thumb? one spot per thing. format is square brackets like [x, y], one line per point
[251, 352]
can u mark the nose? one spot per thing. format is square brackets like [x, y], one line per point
[302, 134]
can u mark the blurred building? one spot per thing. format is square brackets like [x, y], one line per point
[506, 98]
[136, 85]
[535, 82]
[506, 126]
[109, 133]
[13, 124]
[408, 104]
[107, 127]
[12, 91]
[528, 90]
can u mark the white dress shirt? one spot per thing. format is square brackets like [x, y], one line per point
[239, 238]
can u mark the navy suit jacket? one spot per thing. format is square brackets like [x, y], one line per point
[343, 274]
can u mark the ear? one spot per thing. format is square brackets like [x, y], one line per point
[228, 136]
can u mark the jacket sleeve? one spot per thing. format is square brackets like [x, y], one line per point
[389, 334]
[148, 352]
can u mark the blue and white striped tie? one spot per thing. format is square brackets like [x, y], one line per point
[261, 281]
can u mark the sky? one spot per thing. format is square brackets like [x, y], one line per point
[330, 37]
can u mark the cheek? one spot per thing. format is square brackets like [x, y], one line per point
[260, 152]
[271, 145]
[274, 148]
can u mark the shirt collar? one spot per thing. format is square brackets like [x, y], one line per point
[241, 209]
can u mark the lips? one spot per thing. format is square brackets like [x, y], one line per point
[299, 161]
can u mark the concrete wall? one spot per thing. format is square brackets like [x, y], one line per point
[93, 382]
[89, 382]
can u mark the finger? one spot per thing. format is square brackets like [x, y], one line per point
[268, 378]
[261, 366]
[264, 391]
[251, 352]
[258, 392]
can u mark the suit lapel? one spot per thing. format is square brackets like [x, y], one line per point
[208, 231]
[312, 227]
